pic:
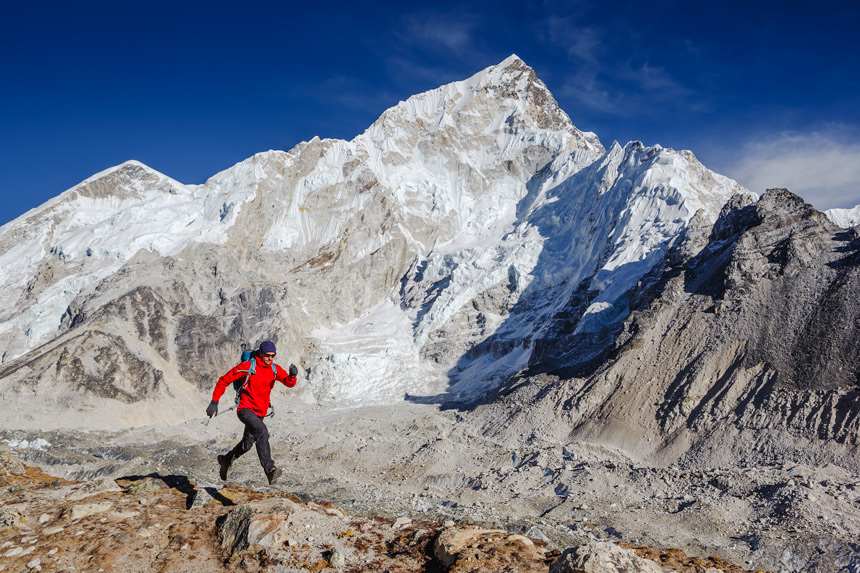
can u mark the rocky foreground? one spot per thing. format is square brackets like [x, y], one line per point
[169, 523]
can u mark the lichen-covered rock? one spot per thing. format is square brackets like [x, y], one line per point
[94, 486]
[9, 464]
[145, 485]
[9, 519]
[473, 549]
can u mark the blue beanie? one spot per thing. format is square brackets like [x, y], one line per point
[267, 347]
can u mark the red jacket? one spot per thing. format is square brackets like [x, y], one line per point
[255, 397]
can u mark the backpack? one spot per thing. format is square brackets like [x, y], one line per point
[240, 385]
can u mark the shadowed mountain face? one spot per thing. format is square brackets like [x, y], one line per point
[742, 347]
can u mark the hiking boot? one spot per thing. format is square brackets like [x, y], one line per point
[273, 475]
[224, 463]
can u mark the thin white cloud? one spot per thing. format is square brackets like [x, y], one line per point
[429, 44]
[587, 90]
[580, 42]
[601, 80]
[435, 31]
[433, 76]
[655, 80]
[822, 168]
[591, 90]
[341, 91]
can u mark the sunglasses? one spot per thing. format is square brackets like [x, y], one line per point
[268, 355]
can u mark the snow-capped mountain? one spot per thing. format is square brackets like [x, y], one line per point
[88, 232]
[468, 227]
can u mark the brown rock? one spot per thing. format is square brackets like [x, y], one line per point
[261, 523]
[8, 463]
[472, 549]
[81, 511]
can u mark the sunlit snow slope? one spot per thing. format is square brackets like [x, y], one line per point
[845, 217]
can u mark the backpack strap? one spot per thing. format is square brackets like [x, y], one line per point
[249, 372]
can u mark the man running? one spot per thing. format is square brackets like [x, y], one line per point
[253, 405]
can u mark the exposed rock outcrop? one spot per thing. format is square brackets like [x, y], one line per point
[603, 557]
[141, 524]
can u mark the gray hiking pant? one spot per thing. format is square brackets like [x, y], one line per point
[257, 433]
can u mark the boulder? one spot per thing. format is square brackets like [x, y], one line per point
[201, 496]
[261, 523]
[81, 511]
[476, 549]
[93, 487]
[603, 557]
[146, 485]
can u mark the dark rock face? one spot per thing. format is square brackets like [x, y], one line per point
[163, 320]
[145, 312]
[200, 346]
[742, 345]
[800, 314]
[233, 529]
[91, 362]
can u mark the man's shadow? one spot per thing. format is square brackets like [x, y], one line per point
[183, 485]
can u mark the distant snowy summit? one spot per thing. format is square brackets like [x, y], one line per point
[845, 217]
[449, 246]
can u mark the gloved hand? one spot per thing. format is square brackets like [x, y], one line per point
[293, 370]
[212, 410]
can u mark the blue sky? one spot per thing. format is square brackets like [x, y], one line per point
[765, 92]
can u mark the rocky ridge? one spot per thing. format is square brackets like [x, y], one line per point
[168, 523]
[502, 471]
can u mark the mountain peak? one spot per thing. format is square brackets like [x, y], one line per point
[845, 217]
[512, 59]
[125, 166]
[128, 179]
[437, 179]
[506, 97]
[511, 68]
